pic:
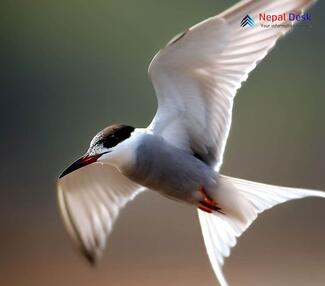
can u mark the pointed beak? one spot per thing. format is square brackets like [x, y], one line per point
[82, 162]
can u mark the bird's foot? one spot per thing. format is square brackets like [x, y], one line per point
[208, 204]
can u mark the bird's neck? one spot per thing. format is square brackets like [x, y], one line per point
[124, 156]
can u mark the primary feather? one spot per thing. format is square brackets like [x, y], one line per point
[197, 75]
[90, 200]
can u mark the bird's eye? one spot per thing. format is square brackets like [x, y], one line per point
[119, 135]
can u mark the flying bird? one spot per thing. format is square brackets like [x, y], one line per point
[179, 155]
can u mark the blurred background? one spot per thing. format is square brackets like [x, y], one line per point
[70, 68]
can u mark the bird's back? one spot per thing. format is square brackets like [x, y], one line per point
[171, 171]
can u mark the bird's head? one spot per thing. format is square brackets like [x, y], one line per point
[108, 146]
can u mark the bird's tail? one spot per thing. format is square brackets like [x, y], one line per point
[240, 201]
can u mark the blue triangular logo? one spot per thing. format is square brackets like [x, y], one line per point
[247, 20]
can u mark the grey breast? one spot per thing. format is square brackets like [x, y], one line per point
[171, 171]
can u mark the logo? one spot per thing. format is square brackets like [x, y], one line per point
[280, 20]
[284, 17]
[248, 20]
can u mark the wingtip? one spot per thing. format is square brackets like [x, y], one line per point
[91, 258]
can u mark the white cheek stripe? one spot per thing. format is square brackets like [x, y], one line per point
[123, 154]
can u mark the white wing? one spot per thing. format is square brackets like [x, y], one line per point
[196, 77]
[90, 199]
[197, 74]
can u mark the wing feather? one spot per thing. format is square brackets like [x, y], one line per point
[90, 200]
[196, 76]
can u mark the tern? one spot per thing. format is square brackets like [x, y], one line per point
[179, 155]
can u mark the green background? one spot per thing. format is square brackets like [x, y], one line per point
[70, 68]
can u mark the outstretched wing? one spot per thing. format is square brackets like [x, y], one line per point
[90, 200]
[197, 74]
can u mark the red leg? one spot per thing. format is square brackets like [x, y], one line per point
[206, 197]
[204, 208]
[208, 204]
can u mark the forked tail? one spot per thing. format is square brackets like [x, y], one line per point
[241, 202]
